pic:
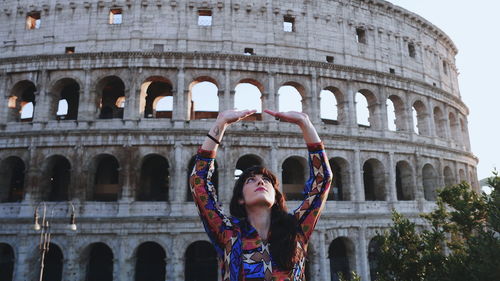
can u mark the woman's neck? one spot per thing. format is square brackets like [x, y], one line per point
[260, 219]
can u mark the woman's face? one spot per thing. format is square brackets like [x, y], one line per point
[258, 190]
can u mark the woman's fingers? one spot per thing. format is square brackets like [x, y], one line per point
[289, 116]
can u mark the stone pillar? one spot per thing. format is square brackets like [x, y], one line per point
[175, 262]
[351, 107]
[4, 98]
[23, 270]
[176, 189]
[132, 96]
[359, 193]
[392, 194]
[32, 177]
[228, 100]
[314, 109]
[86, 103]
[71, 270]
[42, 98]
[179, 99]
[124, 263]
[418, 178]
[430, 118]
[382, 108]
[440, 173]
[322, 249]
[362, 253]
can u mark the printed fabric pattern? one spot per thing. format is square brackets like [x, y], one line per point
[243, 254]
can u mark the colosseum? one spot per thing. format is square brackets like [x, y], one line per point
[104, 103]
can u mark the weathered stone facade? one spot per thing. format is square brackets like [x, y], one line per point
[97, 155]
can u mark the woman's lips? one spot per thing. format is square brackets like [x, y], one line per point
[260, 189]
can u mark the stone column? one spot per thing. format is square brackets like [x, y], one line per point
[23, 270]
[124, 263]
[175, 262]
[392, 194]
[70, 264]
[314, 110]
[359, 193]
[272, 102]
[4, 98]
[322, 249]
[382, 108]
[228, 99]
[226, 174]
[418, 178]
[362, 253]
[32, 176]
[351, 107]
[42, 98]
[86, 103]
[440, 173]
[176, 191]
[179, 99]
[132, 96]
[430, 118]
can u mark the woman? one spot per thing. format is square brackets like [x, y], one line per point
[260, 241]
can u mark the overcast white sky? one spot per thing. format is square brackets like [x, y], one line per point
[474, 26]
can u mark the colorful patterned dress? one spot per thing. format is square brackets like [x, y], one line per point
[243, 254]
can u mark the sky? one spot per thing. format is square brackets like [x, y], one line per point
[474, 28]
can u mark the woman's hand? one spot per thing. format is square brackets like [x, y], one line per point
[231, 116]
[301, 119]
[295, 117]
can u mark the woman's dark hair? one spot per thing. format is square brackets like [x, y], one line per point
[283, 239]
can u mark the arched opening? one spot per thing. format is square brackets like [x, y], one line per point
[154, 90]
[100, 263]
[22, 102]
[6, 262]
[57, 179]
[339, 190]
[396, 114]
[246, 162]
[289, 97]
[248, 96]
[329, 107]
[430, 182]
[404, 181]
[111, 91]
[439, 122]
[64, 97]
[154, 180]
[373, 254]
[215, 178]
[204, 99]
[366, 107]
[453, 127]
[420, 118]
[201, 262]
[449, 178]
[293, 175]
[53, 264]
[12, 179]
[461, 175]
[374, 180]
[106, 179]
[341, 255]
[150, 262]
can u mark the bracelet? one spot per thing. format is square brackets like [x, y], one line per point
[214, 139]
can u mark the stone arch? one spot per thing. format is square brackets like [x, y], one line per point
[291, 96]
[215, 178]
[248, 95]
[332, 106]
[366, 110]
[12, 177]
[200, 262]
[7, 261]
[293, 175]
[449, 178]
[245, 162]
[111, 97]
[22, 102]
[154, 180]
[399, 117]
[339, 190]
[204, 98]
[64, 99]
[374, 180]
[430, 182]
[56, 179]
[105, 184]
[154, 89]
[420, 115]
[373, 253]
[150, 262]
[99, 261]
[439, 122]
[341, 253]
[405, 188]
